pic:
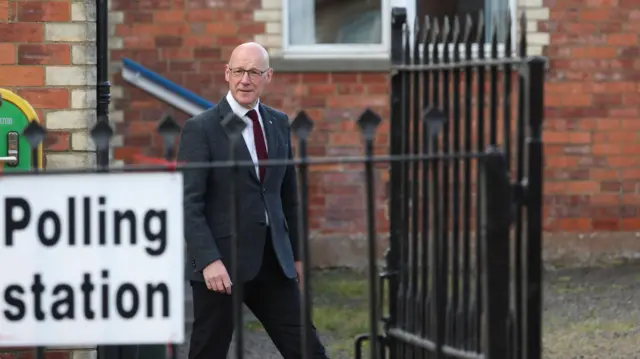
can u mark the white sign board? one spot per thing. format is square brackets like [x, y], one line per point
[91, 259]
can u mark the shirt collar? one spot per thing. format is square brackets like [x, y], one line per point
[238, 109]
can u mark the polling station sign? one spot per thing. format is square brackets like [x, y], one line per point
[91, 259]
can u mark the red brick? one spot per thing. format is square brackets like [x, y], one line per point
[251, 29]
[32, 11]
[205, 15]
[168, 41]
[44, 54]
[133, 17]
[198, 41]
[53, 98]
[139, 42]
[4, 10]
[58, 354]
[21, 76]
[21, 32]
[57, 141]
[181, 53]
[206, 53]
[7, 54]
[169, 16]
[623, 39]
[598, 14]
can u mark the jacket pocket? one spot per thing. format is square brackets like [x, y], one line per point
[221, 230]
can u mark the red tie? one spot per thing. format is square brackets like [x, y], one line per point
[258, 139]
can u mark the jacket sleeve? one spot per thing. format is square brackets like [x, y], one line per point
[289, 196]
[200, 242]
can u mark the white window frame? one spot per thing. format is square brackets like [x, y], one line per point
[382, 51]
[342, 51]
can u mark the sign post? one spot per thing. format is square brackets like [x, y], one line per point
[15, 115]
[91, 259]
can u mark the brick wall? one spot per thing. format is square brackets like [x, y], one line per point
[592, 126]
[46, 56]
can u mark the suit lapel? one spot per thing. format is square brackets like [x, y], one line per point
[241, 150]
[270, 135]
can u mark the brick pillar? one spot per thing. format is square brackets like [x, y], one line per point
[47, 56]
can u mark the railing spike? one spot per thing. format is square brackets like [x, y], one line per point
[481, 29]
[507, 35]
[435, 31]
[456, 30]
[425, 30]
[468, 26]
[368, 122]
[522, 51]
[302, 125]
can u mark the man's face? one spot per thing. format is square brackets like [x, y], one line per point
[247, 75]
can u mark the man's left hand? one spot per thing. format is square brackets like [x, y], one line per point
[299, 272]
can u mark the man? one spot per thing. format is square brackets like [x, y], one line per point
[267, 200]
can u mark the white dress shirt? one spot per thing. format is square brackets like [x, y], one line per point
[247, 133]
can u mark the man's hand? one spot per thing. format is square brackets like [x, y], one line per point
[299, 273]
[216, 277]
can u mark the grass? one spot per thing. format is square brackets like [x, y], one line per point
[340, 310]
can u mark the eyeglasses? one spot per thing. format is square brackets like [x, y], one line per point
[254, 74]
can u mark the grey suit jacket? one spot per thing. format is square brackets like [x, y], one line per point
[207, 225]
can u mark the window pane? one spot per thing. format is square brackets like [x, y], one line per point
[492, 9]
[335, 22]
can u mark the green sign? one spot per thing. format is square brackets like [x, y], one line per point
[15, 114]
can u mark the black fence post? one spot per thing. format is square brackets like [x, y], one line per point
[102, 64]
[234, 125]
[302, 126]
[496, 220]
[398, 19]
[533, 255]
[368, 123]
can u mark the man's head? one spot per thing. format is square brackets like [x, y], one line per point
[248, 73]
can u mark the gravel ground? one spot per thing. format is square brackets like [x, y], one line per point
[590, 313]
[593, 313]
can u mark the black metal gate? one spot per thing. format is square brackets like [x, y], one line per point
[463, 269]
[464, 263]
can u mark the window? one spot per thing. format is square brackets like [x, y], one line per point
[336, 28]
[362, 28]
[491, 9]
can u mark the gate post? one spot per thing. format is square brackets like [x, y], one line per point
[398, 19]
[532, 257]
[496, 221]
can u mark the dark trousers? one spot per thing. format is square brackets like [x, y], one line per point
[273, 298]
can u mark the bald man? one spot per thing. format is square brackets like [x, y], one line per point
[267, 198]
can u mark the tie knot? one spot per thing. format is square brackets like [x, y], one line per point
[253, 115]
